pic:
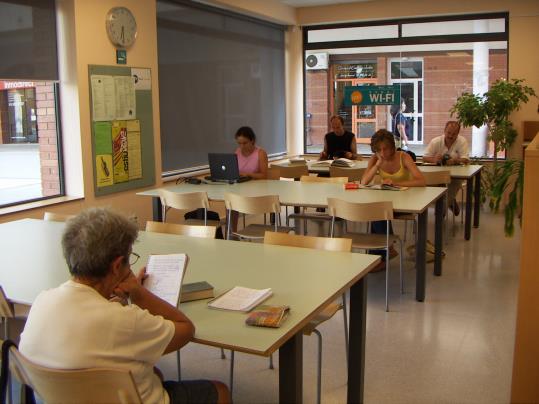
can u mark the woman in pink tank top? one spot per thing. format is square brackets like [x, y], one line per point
[252, 160]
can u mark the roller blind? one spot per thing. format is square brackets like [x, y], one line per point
[217, 71]
[28, 40]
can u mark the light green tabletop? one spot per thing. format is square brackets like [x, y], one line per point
[297, 193]
[304, 279]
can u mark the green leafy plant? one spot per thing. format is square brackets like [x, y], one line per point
[493, 109]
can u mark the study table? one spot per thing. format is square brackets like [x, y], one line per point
[297, 193]
[304, 280]
[465, 172]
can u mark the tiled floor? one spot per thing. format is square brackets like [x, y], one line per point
[456, 347]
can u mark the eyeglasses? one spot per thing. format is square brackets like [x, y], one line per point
[133, 258]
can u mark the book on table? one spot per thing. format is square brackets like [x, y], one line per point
[342, 162]
[165, 276]
[268, 316]
[322, 163]
[195, 291]
[384, 187]
[297, 161]
[240, 298]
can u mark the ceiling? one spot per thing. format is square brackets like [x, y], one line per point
[310, 3]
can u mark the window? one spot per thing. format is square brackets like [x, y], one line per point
[30, 162]
[218, 71]
[431, 60]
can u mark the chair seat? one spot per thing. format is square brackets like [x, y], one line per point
[328, 312]
[370, 241]
[310, 216]
[258, 230]
[200, 222]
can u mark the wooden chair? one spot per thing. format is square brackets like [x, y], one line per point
[253, 205]
[316, 216]
[367, 212]
[10, 312]
[318, 243]
[181, 229]
[56, 217]
[353, 174]
[95, 385]
[294, 171]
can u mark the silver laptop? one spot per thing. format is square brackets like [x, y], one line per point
[224, 168]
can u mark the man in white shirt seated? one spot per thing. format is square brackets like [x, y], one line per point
[77, 325]
[449, 149]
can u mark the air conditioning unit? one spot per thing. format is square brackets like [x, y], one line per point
[316, 61]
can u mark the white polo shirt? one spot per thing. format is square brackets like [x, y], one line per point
[74, 327]
[459, 149]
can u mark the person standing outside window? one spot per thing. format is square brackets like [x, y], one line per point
[449, 149]
[400, 125]
[339, 142]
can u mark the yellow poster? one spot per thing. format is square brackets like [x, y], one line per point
[134, 149]
[103, 166]
[120, 152]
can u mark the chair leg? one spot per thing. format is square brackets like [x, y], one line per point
[231, 380]
[345, 320]
[401, 267]
[319, 370]
[223, 356]
[405, 229]
[271, 362]
[387, 279]
[178, 363]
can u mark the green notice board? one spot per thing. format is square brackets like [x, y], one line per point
[122, 128]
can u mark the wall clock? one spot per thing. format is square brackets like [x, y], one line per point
[121, 27]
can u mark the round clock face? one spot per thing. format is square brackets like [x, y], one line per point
[121, 27]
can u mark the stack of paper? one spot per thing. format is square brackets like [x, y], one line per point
[342, 162]
[322, 163]
[297, 161]
[240, 299]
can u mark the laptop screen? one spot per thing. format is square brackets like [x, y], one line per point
[224, 166]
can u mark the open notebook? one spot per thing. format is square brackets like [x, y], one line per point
[165, 276]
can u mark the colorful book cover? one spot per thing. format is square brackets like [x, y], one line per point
[134, 149]
[120, 154]
[268, 316]
[103, 168]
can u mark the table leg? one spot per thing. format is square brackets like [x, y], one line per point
[157, 209]
[468, 217]
[357, 335]
[291, 370]
[420, 255]
[438, 236]
[477, 200]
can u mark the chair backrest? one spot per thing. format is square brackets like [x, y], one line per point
[96, 385]
[334, 180]
[182, 229]
[353, 174]
[291, 171]
[188, 201]
[360, 212]
[435, 178]
[252, 205]
[56, 217]
[6, 310]
[318, 243]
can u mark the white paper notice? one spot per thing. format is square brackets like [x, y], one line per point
[143, 78]
[125, 97]
[165, 276]
[103, 98]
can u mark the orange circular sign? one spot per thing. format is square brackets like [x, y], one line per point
[356, 97]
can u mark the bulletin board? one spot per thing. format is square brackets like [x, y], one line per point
[122, 128]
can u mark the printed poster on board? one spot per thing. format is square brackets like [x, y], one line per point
[134, 149]
[120, 153]
[103, 153]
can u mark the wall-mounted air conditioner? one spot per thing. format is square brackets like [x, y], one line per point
[316, 61]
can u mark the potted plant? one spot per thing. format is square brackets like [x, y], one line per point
[493, 109]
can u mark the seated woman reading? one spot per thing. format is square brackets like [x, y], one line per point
[394, 168]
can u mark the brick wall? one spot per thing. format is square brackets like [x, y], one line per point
[317, 104]
[47, 137]
[444, 77]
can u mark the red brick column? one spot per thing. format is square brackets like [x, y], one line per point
[47, 137]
